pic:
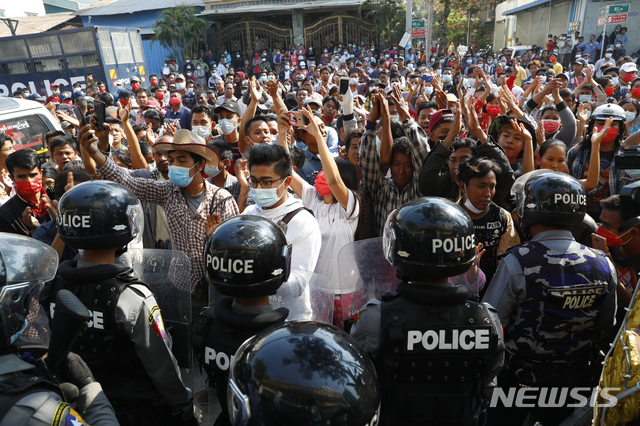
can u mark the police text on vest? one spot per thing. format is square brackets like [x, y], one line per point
[453, 339]
[222, 360]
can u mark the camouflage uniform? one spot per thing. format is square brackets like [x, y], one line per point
[556, 300]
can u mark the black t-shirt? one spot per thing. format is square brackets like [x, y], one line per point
[488, 230]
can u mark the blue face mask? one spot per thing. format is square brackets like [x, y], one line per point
[265, 197]
[584, 98]
[446, 78]
[614, 80]
[180, 175]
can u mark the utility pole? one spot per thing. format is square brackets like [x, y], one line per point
[409, 17]
[427, 48]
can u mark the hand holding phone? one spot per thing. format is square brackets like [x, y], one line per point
[99, 113]
[600, 243]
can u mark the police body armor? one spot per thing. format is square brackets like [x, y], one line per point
[563, 299]
[109, 352]
[217, 335]
[437, 347]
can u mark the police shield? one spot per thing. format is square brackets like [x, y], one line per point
[308, 297]
[365, 274]
[166, 272]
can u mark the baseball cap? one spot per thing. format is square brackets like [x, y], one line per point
[36, 97]
[134, 78]
[54, 85]
[231, 106]
[629, 67]
[311, 100]
[64, 97]
[439, 115]
[180, 76]
[451, 98]
[580, 61]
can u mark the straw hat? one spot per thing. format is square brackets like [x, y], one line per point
[186, 140]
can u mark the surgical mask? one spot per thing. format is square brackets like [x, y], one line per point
[286, 67]
[353, 81]
[490, 61]
[618, 45]
[212, 171]
[432, 60]
[287, 87]
[226, 125]
[180, 175]
[630, 116]
[442, 61]
[175, 101]
[237, 56]
[469, 205]
[550, 126]
[202, 131]
[56, 92]
[588, 114]
[613, 240]
[394, 117]
[30, 187]
[187, 61]
[446, 78]
[263, 79]
[428, 90]
[614, 80]
[584, 98]
[469, 61]
[151, 166]
[471, 82]
[198, 68]
[266, 197]
[180, 86]
[607, 55]
[610, 136]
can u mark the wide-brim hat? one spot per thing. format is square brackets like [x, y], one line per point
[186, 140]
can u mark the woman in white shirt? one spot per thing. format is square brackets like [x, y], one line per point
[333, 201]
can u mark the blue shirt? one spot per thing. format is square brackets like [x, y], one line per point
[622, 39]
[590, 48]
[183, 116]
[312, 165]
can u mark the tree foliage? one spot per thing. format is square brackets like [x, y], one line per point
[178, 30]
[388, 17]
[451, 20]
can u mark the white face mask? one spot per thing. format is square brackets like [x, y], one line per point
[287, 87]
[180, 86]
[226, 125]
[395, 117]
[212, 171]
[151, 166]
[467, 203]
[202, 131]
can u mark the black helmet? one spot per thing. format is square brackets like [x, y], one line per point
[24, 263]
[302, 373]
[247, 256]
[429, 237]
[99, 215]
[546, 197]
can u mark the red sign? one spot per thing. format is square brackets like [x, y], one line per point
[601, 21]
[617, 19]
[420, 33]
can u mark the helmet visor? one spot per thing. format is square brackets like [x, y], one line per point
[14, 305]
[136, 222]
[389, 237]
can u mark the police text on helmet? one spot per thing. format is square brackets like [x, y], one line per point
[453, 244]
[74, 221]
[570, 199]
[237, 266]
[452, 339]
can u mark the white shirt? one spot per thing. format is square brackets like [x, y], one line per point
[303, 232]
[337, 226]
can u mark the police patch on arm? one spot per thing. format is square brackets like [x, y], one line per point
[155, 321]
[66, 416]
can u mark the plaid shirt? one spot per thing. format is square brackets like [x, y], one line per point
[187, 234]
[386, 196]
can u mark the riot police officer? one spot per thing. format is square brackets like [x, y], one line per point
[436, 351]
[303, 374]
[28, 394]
[555, 297]
[126, 344]
[247, 258]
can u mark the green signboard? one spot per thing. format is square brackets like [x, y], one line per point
[420, 23]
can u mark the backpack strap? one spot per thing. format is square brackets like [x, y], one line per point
[213, 208]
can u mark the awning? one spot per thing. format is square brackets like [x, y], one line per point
[525, 7]
[263, 6]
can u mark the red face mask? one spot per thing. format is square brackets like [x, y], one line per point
[124, 102]
[31, 187]
[552, 59]
[493, 109]
[610, 136]
[174, 101]
[103, 89]
[159, 95]
[321, 185]
[609, 91]
[629, 77]
[550, 126]
[135, 86]
[636, 92]
[613, 240]
[154, 83]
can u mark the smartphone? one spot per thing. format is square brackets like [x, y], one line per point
[427, 78]
[82, 119]
[344, 85]
[296, 118]
[99, 113]
[599, 243]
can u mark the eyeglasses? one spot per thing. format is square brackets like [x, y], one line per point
[458, 160]
[265, 184]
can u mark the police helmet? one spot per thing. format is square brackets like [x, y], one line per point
[99, 215]
[546, 197]
[247, 256]
[430, 238]
[24, 264]
[609, 111]
[302, 373]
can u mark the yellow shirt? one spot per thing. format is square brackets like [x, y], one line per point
[520, 76]
[557, 68]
